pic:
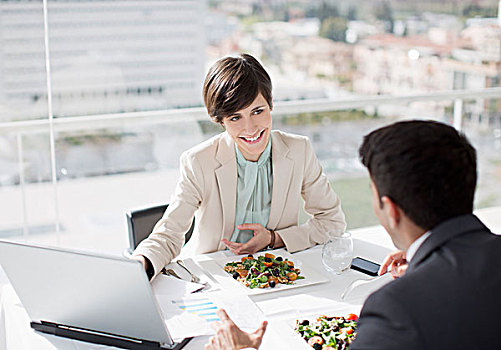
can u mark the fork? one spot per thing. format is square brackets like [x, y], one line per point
[170, 272]
[194, 279]
[357, 283]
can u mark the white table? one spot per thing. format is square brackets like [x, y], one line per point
[16, 334]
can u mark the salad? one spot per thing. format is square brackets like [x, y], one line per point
[264, 271]
[328, 333]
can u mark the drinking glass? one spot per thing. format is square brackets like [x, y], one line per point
[337, 253]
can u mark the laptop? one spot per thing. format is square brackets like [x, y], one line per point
[86, 296]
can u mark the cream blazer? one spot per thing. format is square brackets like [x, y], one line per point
[207, 189]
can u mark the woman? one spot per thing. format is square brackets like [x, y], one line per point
[243, 185]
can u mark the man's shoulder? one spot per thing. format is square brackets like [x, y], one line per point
[402, 295]
[392, 292]
[386, 320]
[455, 268]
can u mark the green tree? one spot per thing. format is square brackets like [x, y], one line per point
[384, 12]
[323, 11]
[327, 10]
[352, 13]
[473, 10]
[334, 28]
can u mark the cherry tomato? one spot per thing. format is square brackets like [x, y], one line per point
[267, 264]
[348, 330]
[246, 258]
[352, 317]
[242, 273]
[292, 276]
[269, 255]
[290, 263]
[315, 340]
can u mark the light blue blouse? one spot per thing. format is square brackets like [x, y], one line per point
[254, 185]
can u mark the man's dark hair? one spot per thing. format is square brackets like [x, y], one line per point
[232, 83]
[427, 168]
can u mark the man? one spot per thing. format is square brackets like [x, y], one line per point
[423, 178]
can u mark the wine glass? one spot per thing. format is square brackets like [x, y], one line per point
[337, 253]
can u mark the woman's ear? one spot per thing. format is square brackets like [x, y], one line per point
[214, 119]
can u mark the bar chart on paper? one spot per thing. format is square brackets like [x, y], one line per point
[201, 307]
[194, 315]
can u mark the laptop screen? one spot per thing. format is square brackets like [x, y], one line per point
[78, 289]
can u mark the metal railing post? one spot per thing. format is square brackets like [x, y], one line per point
[22, 183]
[51, 120]
[458, 114]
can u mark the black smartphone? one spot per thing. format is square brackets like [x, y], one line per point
[363, 265]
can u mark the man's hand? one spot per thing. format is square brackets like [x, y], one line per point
[260, 240]
[395, 263]
[230, 337]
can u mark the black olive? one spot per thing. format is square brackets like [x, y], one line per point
[279, 258]
[317, 346]
[250, 256]
[272, 284]
[305, 323]
[267, 259]
[236, 275]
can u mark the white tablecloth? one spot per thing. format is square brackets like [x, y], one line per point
[280, 308]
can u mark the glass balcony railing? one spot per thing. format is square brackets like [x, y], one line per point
[69, 181]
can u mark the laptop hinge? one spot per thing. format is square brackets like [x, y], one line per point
[97, 337]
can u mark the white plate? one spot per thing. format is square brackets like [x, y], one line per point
[226, 280]
[285, 326]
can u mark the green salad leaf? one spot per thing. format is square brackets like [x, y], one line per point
[328, 332]
[265, 271]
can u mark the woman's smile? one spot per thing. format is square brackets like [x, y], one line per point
[255, 139]
[250, 128]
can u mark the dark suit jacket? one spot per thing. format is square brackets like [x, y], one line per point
[449, 298]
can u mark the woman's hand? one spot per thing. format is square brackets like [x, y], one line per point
[230, 337]
[141, 259]
[395, 263]
[261, 239]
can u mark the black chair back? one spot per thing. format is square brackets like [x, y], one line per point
[140, 223]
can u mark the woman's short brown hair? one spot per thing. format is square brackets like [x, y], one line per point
[232, 83]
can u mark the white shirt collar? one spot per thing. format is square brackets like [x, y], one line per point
[415, 246]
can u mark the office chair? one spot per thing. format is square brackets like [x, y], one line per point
[140, 223]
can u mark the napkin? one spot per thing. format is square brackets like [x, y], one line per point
[196, 270]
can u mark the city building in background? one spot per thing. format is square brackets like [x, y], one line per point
[328, 49]
[105, 56]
